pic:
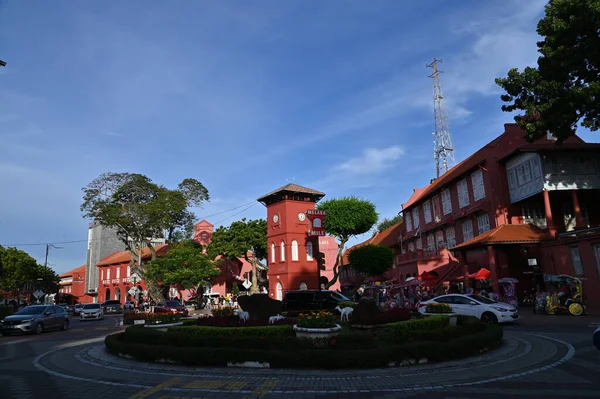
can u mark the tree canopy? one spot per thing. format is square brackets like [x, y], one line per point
[21, 273]
[140, 210]
[183, 264]
[563, 91]
[371, 260]
[237, 240]
[386, 223]
[346, 217]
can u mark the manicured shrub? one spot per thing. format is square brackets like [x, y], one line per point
[389, 316]
[434, 307]
[5, 310]
[235, 321]
[202, 331]
[404, 330]
[161, 318]
[366, 310]
[226, 311]
[317, 319]
[259, 306]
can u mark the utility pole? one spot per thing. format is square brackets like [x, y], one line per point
[443, 149]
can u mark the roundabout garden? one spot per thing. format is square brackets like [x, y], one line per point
[306, 339]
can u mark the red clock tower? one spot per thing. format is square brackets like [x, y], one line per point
[291, 257]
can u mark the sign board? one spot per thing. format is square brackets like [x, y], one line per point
[315, 232]
[247, 284]
[314, 213]
[132, 291]
[38, 294]
[532, 262]
[316, 218]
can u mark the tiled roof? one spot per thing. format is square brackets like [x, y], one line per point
[79, 270]
[388, 237]
[507, 234]
[125, 257]
[292, 188]
[543, 146]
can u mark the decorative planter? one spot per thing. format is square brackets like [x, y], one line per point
[135, 322]
[452, 316]
[163, 327]
[317, 333]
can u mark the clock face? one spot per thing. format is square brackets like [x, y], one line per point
[275, 218]
[301, 216]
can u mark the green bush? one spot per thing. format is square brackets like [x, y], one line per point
[226, 311]
[435, 307]
[161, 318]
[404, 330]
[211, 332]
[5, 310]
[326, 358]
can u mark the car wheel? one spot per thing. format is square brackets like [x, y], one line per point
[39, 328]
[65, 325]
[489, 318]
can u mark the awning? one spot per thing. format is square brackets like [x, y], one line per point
[481, 274]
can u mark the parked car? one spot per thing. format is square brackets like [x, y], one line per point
[77, 309]
[312, 300]
[91, 311]
[175, 307]
[113, 306]
[36, 319]
[476, 305]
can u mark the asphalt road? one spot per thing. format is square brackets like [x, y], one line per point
[553, 360]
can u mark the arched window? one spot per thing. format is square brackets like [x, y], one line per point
[303, 287]
[272, 252]
[118, 294]
[295, 250]
[107, 295]
[282, 251]
[317, 223]
[279, 293]
[309, 250]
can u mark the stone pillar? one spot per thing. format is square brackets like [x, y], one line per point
[493, 268]
[548, 209]
[579, 222]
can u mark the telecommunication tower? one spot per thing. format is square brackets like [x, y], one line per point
[443, 149]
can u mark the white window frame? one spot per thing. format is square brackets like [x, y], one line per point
[576, 259]
[446, 202]
[415, 217]
[273, 256]
[282, 258]
[408, 220]
[118, 273]
[295, 250]
[467, 229]
[430, 241]
[478, 186]
[411, 247]
[108, 274]
[463, 193]
[427, 211]
[309, 251]
[128, 271]
[419, 243]
[450, 237]
[483, 223]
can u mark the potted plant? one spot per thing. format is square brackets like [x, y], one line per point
[317, 325]
[435, 308]
[162, 321]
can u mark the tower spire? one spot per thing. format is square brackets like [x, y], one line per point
[443, 148]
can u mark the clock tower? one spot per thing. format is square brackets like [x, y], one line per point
[291, 257]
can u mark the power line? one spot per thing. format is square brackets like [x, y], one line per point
[96, 239]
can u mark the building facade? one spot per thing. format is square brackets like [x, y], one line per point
[72, 287]
[292, 253]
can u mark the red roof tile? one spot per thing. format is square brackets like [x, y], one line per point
[78, 270]
[125, 256]
[507, 234]
[294, 188]
[388, 237]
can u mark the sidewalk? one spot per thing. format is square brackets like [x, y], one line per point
[543, 321]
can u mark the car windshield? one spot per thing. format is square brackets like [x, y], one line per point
[173, 303]
[481, 299]
[340, 297]
[92, 306]
[31, 310]
[79, 305]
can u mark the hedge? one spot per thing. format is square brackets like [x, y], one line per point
[464, 346]
[210, 332]
[404, 330]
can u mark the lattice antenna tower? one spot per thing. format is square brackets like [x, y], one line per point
[443, 148]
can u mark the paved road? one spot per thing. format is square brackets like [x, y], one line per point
[548, 363]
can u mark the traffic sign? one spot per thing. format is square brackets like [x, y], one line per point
[38, 294]
[132, 291]
[247, 284]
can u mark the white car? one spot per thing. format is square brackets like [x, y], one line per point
[91, 311]
[475, 305]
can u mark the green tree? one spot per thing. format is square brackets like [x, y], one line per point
[184, 265]
[371, 260]
[346, 217]
[140, 209]
[386, 223]
[21, 273]
[237, 240]
[563, 91]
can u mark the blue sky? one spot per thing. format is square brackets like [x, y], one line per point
[243, 96]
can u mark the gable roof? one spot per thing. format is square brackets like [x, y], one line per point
[292, 188]
[78, 270]
[125, 256]
[506, 234]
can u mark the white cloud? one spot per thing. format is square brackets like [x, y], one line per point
[371, 162]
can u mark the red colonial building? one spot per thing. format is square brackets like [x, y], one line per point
[72, 287]
[516, 208]
[291, 252]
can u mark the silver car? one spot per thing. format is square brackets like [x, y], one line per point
[36, 319]
[91, 311]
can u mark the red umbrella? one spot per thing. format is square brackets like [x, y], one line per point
[482, 274]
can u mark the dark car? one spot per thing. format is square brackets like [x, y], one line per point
[312, 300]
[36, 319]
[174, 307]
[113, 306]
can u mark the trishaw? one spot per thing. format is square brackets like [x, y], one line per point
[509, 286]
[567, 294]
